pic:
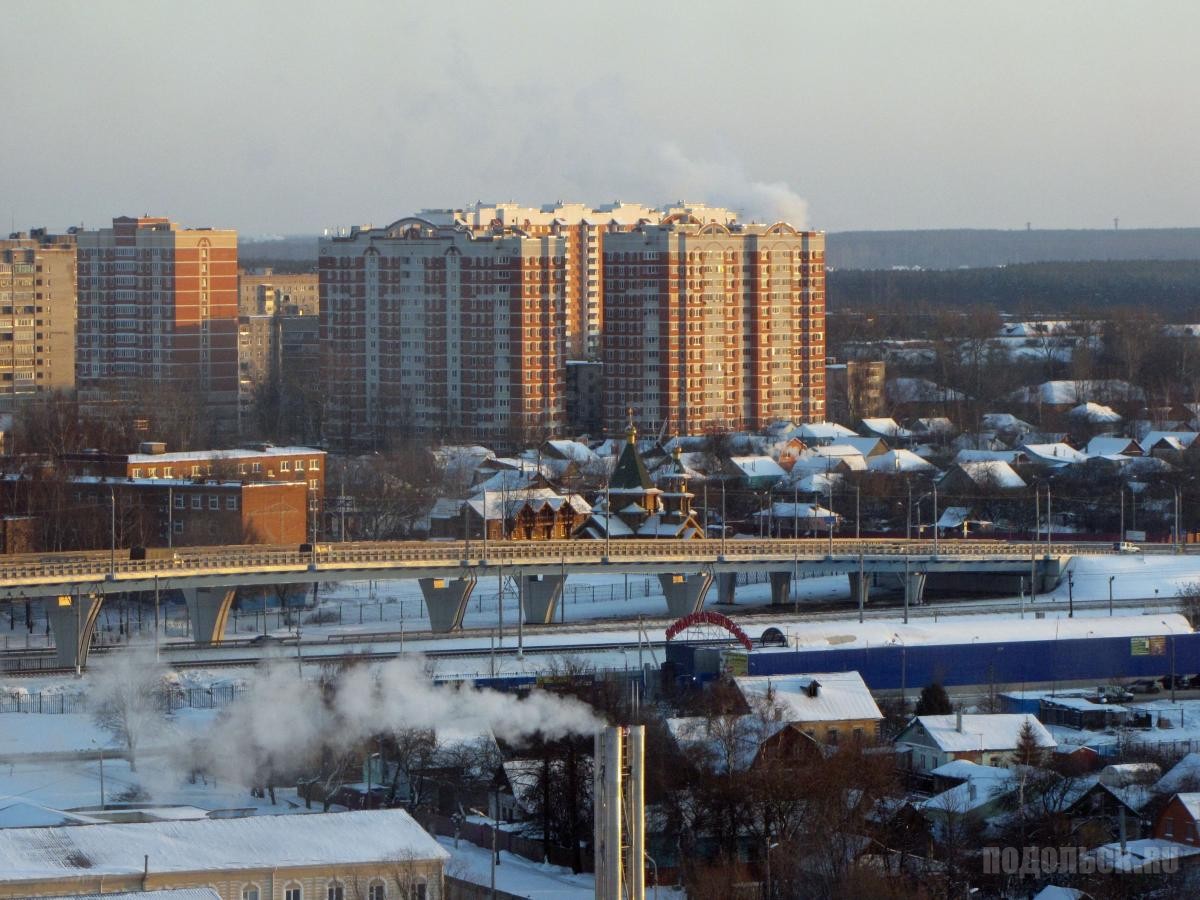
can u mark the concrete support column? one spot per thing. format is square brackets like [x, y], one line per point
[726, 585]
[780, 583]
[446, 601]
[208, 610]
[685, 593]
[72, 625]
[542, 594]
[861, 583]
[915, 588]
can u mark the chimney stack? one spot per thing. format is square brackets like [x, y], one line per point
[958, 720]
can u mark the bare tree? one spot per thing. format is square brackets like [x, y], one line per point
[128, 697]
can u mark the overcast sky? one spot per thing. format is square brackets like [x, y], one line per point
[292, 117]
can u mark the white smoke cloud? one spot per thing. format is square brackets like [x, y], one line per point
[728, 184]
[282, 719]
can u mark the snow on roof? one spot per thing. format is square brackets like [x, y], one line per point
[920, 390]
[898, 461]
[840, 696]
[789, 511]
[1054, 892]
[1107, 445]
[1008, 456]
[1062, 393]
[1184, 774]
[1095, 413]
[18, 813]
[1191, 802]
[997, 731]
[572, 450]
[886, 428]
[964, 769]
[217, 455]
[1137, 854]
[757, 466]
[977, 790]
[256, 842]
[994, 472]
[845, 446]
[1004, 422]
[956, 516]
[1185, 438]
[1056, 454]
[823, 431]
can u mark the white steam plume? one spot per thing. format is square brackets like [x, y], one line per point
[281, 719]
[729, 184]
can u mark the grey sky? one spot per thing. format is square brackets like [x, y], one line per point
[291, 117]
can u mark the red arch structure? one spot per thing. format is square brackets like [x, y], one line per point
[706, 617]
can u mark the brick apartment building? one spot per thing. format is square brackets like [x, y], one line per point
[434, 331]
[37, 315]
[265, 293]
[266, 494]
[583, 230]
[158, 306]
[708, 325]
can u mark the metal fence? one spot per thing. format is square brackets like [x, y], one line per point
[55, 703]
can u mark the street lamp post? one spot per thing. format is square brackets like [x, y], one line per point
[1110, 599]
[112, 558]
[724, 527]
[1172, 630]
[935, 520]
[903, 672]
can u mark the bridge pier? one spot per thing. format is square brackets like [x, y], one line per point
[72, 625]
[726, 586]
[685, 593]
[914, 587]
[781, 582]
[446, 601]
[541, 595]
[861, 584]
[208, 611]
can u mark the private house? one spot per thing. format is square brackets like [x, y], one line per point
[969, 793]
[755, 473]
[829, 708]
[988, 740]
[1179, 820]
[520, 514]
[985, 475]
[381, 853]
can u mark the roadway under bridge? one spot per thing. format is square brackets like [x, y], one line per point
[76, 584]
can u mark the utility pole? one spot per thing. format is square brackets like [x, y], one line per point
[1110, 600]
[1070, 595]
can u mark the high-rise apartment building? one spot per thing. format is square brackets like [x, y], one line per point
[37, 315]
[158, 307]
[438, 331]
[583, 229]
[707, 325]
[265, 293]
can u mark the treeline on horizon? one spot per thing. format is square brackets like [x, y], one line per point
[1169, 288]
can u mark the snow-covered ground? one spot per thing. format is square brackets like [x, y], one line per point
[516, 875]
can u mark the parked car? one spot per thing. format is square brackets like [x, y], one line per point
[263, 639]
[1180, 682]
[1194, 681]
[1145, 686]
[1112, 693]
[1126, 547]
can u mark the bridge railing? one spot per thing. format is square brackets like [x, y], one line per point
[96, 565]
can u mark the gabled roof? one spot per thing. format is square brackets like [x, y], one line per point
[1107, 445]
[837, 696]
[757, 467]
[630, 473]
[997, 731]
[823, 431]
[1184, 774]
[1182, 439]
[1056, 454]
[886, 428]
[1190, 802]
[992, 472]
[898, 461]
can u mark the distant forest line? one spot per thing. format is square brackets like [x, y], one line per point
[1169, 288]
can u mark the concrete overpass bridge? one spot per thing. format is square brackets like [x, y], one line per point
[77, 583]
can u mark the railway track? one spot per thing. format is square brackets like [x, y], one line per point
[360, 647]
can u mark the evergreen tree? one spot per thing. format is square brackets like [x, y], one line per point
[934, 701]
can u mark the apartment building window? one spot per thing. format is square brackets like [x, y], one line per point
[197, 501]
[137, 473]
[285, 465]
[179, 501]
[299, 465]
[314, 484]
[231, 503]
[195, 471]
[214, 502]
[335, 891]
[250, 892]
[257, 467]
[376, 891]
[177, 526]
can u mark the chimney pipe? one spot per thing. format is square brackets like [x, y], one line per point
[145, 871]
[958, 720]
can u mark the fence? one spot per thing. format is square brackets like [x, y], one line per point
[55, 703]
[481, 836]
